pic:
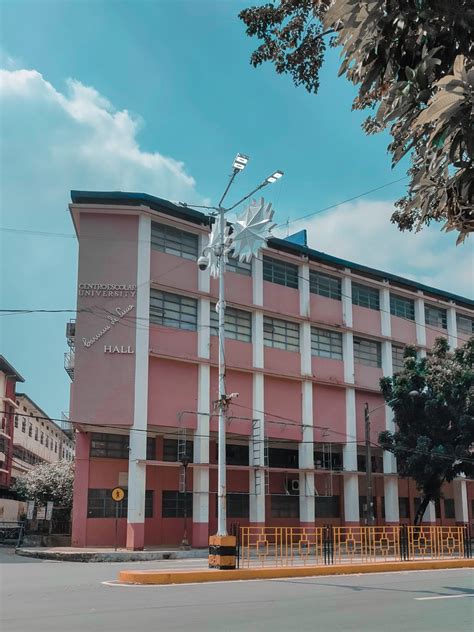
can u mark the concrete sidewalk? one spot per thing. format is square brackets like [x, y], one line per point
[75, 554]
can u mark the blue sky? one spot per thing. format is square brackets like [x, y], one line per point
[158, 97]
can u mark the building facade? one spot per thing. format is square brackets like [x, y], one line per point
[308, 336]
[8, 380]
[37, 438]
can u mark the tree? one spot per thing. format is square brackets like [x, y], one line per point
[47, 482]
[412, 61]
[432, 400]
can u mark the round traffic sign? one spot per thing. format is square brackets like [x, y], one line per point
[118, 494]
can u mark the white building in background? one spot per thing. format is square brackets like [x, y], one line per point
[36, 438]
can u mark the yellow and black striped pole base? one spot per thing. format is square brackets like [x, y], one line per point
[222, 551]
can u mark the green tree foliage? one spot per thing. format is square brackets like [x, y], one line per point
[432, 400]
[412, 61]
[48, 481]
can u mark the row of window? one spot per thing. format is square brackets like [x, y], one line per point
[44, 438]
[175, 504]
[183, 244]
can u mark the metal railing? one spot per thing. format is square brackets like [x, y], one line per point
[305, 546]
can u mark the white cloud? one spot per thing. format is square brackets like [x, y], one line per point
[361, 232]
[54, 141]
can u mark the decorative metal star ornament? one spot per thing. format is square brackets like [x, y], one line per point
[252, 230]
[214, 245]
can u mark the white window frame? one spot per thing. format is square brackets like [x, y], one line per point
[469, 320]
[326, 343]
[402, 306]
[372, 300]
[367, 352]
[280, 272]
[440, 321]
[174, 241]
[175, 310]
[238, 324]
[281, 334]
[325, 285]
[397, 358]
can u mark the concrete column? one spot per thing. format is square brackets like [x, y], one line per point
[460, 501]
[306, 457]
[420, 321]
[81, 490]
[204, 331]
[204, 278]
[452, 327]
[201, 455]
[392, 513]
[257, 337]
[257, 476]
[346, 289]
[429, 516]
[385, 316]
[351, 479]
[304, 290]
[305, 349]
[138, 432]
[257, 281]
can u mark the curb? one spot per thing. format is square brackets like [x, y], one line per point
[213, 575]
[112, 556]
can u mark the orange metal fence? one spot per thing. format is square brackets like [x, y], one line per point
[302, 546]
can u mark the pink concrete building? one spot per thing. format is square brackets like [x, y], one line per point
[308, 338]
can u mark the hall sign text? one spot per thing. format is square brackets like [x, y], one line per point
[118, 349]
[107, 290]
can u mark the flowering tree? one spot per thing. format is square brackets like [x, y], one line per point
[433, 403]
[47, 482]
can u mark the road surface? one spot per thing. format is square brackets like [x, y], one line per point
[47, 596]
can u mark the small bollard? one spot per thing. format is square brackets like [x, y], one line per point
[222, 552]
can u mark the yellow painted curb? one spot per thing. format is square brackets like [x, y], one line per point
[214, 575]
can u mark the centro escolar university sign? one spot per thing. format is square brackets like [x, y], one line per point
[107, 290]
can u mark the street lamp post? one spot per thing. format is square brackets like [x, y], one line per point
[249, 233]
[185, 461]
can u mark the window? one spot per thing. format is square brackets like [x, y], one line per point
[436, 317]
[397, 358]
[325, 285]
[404, 507]
[402, 307]
[238, 324]
[449, 508]
[325, 460]
[283, 457]
[367, 352]
[240, 267]
[237, 454]
[36, 434]
[174, 241]
[101, 505]
[285, 506]
[365, 296]
[172, 310]
[280, 272]
[16, 421]
[170, 450]
[465, 324]
[110, 446]
[173, 504]
[42, 438]
[281, 334]
[30, 430]
[23, 425]
[327, 507]
[326, 344]
[56, 446]
[47, 442]
[237, 505]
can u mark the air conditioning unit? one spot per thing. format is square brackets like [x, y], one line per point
[294, 486]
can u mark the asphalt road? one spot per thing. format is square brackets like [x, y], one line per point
[44, 596]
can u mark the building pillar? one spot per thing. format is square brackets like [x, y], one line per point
[257, 455]
[81, 490]
[200, 537]
[452, 327]
[420, 323]
[349, 452]
[138, 432]
[306, 457]
[460, 501]
[429, 517]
